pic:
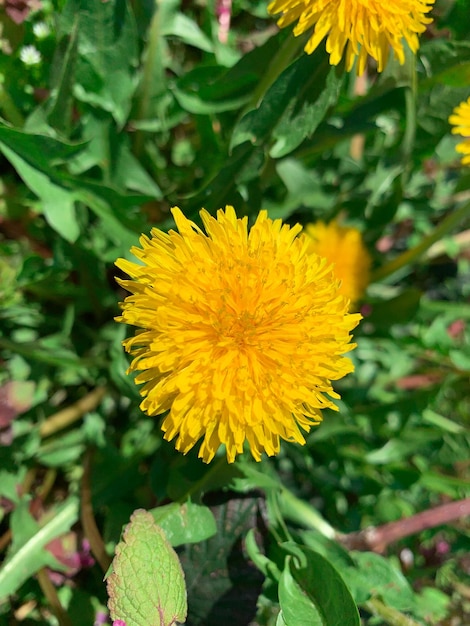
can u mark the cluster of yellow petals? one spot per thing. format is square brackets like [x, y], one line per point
[241, 332]
[357, 28]
[344, 248]
[460, 119]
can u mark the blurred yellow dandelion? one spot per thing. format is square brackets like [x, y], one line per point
[343, 247]
[357, 28]
[241, 332]
[460, 119]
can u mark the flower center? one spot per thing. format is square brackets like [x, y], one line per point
[237, 330]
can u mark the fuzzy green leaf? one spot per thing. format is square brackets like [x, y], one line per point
[146, 586]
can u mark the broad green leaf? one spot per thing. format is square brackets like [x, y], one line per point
[146, 586]
[10, 483]
[297, 608]
[38, 150]
[57, 203]
[223, 585]
[327, 600]
[186, 29]
[446, 63]
[398, 449]
[373, 576]
[398, 310]
[28, 553]
[304, 188]
[213, 89]
[63, 74]
[185, 523]
[107, 53]
[288, 114]
[432, 605]
[243, 164]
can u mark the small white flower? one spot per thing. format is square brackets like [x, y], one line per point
[41, 30]
[30, 55]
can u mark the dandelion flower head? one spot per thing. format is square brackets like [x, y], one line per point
[460, 119]
[343, 247]
[357, 28]
[240, 332]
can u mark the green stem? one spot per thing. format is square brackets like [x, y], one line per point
[297, 510]
[152, 63]
[411, 256]
[410, 112]
[391, 616]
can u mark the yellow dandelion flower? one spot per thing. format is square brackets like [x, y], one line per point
[342, 246]
[460, 118]
[357, 28]
[241, 332]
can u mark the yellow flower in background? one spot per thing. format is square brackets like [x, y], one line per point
[241, 332]
[460, 118]
[343, 247]
[357, 28]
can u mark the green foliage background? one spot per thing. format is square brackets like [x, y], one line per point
[134, 107]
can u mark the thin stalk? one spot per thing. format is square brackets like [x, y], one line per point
[411, 256]
[391, 616]
[377, 539]
[88, 519]
[51, 596]
[297, 510]
[71, 414]
[151, 63]
[409, 135]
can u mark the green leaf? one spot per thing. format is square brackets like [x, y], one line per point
[38, 149]
[185, 523]
[28, 553]
[57, 203]
[146, 585]
[213, 89]
[376, 576]
[289, 114]
[223, 585]
[10, 483]
[63, 73]
[108, 53]
[447, 63]
[312, 592]
[399, 449]
[33, 157]
[297, 609]
[398, 310]
[186, 29]
[244, 163]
